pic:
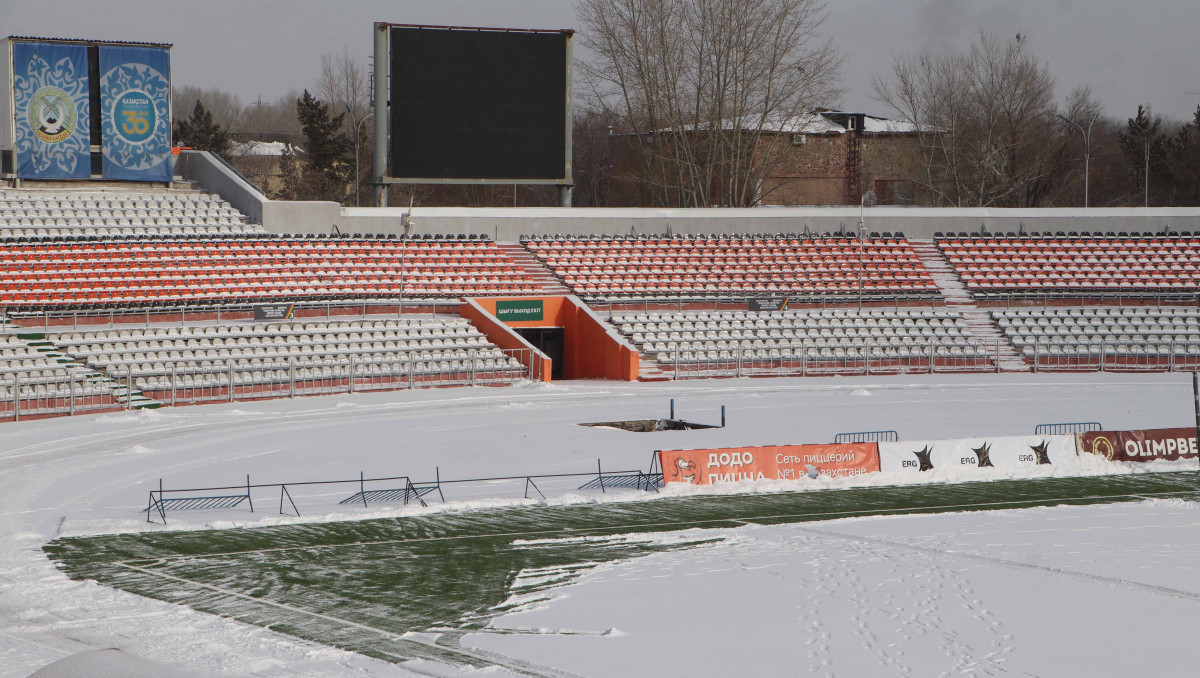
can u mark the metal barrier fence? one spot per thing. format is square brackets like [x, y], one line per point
[22, 398]
[1105, 356]
[748, 359]
[184, 313]
[606, 308]
[387, 490]
[867, 437]
[1085, 298]
[180, 384]
[1067, 428]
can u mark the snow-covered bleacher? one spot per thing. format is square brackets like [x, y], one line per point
[789, 337]
[705, 267]
[1096, 336]
[160, 358]
[1073, 266]
[35, 373]
[239, 270]
[42, 213]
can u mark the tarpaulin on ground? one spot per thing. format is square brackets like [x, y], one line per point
[135, 118]
[999, 452]
[52, 111]
[771, 462]
[1142, 445]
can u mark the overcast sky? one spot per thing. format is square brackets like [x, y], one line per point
[1127, 52]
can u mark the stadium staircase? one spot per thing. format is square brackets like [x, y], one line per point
[534, 268]
[977, 320]
[648, 370]
[121, 393]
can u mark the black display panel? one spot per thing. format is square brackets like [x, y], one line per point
[478, 104]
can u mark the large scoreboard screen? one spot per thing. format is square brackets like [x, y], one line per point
[479, 104]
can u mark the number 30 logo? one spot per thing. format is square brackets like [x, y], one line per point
[134, 116]
[136, 122]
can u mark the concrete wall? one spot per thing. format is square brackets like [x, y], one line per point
[284, 216]
[277, 216]
[214, 176]
[510, 223]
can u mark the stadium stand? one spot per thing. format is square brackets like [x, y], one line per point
[155, 272]
[1093, 337]
[707, 267]
[91, 213]
[1075, 266]
[32, 378]
[170, 359]
[811, 341]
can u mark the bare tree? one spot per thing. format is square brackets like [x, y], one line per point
[989, 133]
[698, 85]
[225, 107]
[343, 83]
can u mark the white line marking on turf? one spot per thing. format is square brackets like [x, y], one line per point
[511, 663]
[748, 520]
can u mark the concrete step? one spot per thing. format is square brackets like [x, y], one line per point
[978, 321]
[648, 370]
[134, 397]
[534, 268]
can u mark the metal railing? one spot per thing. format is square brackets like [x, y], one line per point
[23, 398]
[607, 307]
[1067, 428]
[747, 359]
[208, 311]
[867, 437]
[1106, 356]
[184, 383]
[388, 490]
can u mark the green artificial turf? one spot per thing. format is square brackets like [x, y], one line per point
[362, 585]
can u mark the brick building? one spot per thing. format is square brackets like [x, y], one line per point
[822, 158]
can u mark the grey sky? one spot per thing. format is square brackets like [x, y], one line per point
[1127, 52]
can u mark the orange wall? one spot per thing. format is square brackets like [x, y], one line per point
[591, 350]
[499, 334]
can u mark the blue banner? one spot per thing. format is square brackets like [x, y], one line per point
[135, 113]
[50, 102]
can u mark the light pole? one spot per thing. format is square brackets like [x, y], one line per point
[356, 125]
[868, 200]
[1146, 138]
[1087, 150]
[406, 225]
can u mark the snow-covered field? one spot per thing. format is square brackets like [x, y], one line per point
[1052, 591]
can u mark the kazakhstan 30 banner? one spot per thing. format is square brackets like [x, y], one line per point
[135, 99]
[50, 101]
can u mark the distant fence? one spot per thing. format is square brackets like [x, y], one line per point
[184, 384]
[210, 310]
[1112, 356]
[1067, 428]
[867, 437]
[395, 490]
[808, 359]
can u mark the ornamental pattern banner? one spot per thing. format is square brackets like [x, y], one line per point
[50, 103]
[135, 118]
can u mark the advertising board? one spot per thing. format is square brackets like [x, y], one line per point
[772, 462]
[1142, 445]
